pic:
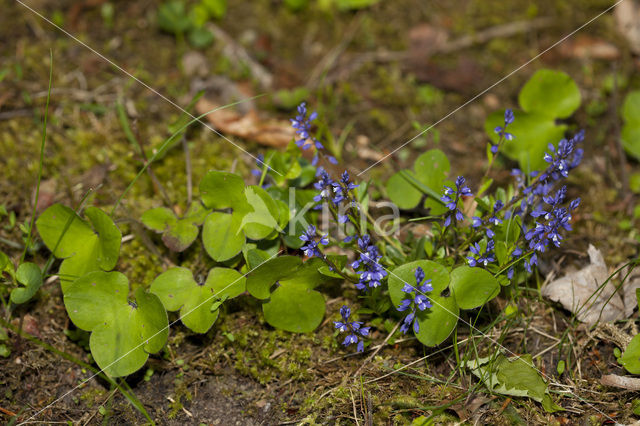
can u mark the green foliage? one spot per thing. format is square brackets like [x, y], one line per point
[85, 246]
[30, 276]
[630, 133]
[407, 187]
[177, 234]
[198, 303]
[173, 17]
[514, 376]
[255, 214]
[264, 273]
[473, 287]
[630, 358]
[549, 95]
[437, 322]
[123, 333]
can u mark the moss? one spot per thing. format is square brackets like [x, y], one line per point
[93, 396]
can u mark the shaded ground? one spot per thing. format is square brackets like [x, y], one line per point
[243, 371]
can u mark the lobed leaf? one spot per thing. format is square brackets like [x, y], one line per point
[123, 333]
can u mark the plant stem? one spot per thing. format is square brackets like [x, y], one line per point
[42, 144]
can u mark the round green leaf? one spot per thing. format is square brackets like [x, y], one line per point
[436, 323]
[294, 308]
[532, 135]
[549, 93]
[30, 276]
[260, 279]
[631, 108]
[261, 219]
[437, 273]
[630, 136]
[123, 333]
[222, 236]
[402, 192]
[85, 248]
[473, 287]
[158, 219]
[179, 236]
[430, 169]
[226, 283]
[177, 290]
[630, 359]
[221, 190]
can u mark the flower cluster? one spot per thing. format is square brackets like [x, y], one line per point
[370, 271]
[302, 124]
[502, 130]
[417, 300]
[355, 329]
[451, 197]
[310, 248]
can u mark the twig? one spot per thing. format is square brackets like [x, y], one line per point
[355, 413]
[236, 52]
[328, 60]
[366, 361]
[506, 30]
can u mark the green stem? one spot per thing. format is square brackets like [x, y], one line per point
[42, 144]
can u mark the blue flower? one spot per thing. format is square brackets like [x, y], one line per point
[355, 329]
[508, 119]
[451, 197]
[366, 266]
[302, 124]
[479, 257]
[416, 300]
[311, 249]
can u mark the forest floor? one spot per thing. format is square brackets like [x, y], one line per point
[362, 74]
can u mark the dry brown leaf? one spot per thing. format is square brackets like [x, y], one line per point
[575, 290]
[248, 126]
[587, 47]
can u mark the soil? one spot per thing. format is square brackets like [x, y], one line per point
[244, 372]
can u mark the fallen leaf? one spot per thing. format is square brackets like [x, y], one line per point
[627, 15]
[577, 290]
[250, 126]
[629, 287]
[587, 47]
[624, 382]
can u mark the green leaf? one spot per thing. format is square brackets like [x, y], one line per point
[294, 308]
[216, 8]
[355, 4]
[630, 358]
[83, 247]
[532, 135]
[514, 376]
[30, 276]
[221, 190]
[158, 219]
[428, 176]
[307, 275]
[177, 234]
[222, 236]
[436, 323]
[261, 219]
[550, 93]
[473, 287]
[173, 18]
[177, 290]
[630, 136]
[631, 108]
[261, 279]
[200, 37]
[123, 333]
